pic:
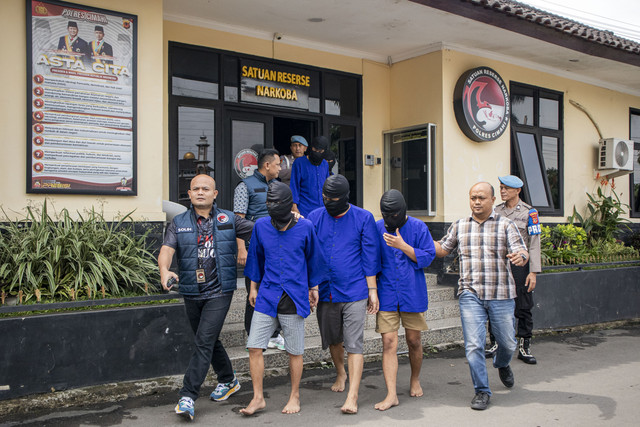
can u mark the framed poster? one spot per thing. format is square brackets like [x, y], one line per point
[81, 99]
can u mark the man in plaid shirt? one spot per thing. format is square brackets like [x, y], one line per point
[486, 243]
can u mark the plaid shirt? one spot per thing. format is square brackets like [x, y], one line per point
[483, 248]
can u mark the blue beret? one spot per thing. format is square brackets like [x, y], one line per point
[511, 181]
[301, 140]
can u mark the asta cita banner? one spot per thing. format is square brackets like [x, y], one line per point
[82, 99]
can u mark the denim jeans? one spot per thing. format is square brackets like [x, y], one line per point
[474, 313]
[206, 318]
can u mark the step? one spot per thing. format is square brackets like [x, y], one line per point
[443, 331]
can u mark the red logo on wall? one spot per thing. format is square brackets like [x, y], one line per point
[481, 104]
[246, 162]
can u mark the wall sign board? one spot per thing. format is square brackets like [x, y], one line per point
[481, 104]
[81, 99]
[271, 84]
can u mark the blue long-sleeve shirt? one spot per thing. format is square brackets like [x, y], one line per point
[290, 261]
[306, 184]
[351, 248]
[401, 285]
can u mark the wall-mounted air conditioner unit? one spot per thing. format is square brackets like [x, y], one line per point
[615, 153]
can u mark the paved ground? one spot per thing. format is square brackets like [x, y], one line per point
[582, 379]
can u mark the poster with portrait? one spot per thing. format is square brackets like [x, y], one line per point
[81, 66]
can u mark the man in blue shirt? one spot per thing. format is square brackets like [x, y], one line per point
[307, 177]
[249, 201]
[285, 258]
[205, 239]
[406, 247]
[349, 240]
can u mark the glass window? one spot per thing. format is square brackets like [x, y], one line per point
[231, 78]
[634, 180]
[536, 146]
[341, 95]
[195, 144]
[548, 113]
[410, 167]
[343, 145]
[195, 73]
[522, 109]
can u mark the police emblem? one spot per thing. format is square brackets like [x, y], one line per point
[222, 218]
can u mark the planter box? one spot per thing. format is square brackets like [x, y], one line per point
[584, 297]
[42, 353]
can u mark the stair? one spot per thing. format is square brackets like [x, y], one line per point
[443, 319]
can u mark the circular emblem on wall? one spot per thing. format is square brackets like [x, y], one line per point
[222, 218]
[245, 163]
[481, 104]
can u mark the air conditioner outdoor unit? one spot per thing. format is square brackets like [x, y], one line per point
[615, 153]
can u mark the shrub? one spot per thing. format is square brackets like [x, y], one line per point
[60, 258]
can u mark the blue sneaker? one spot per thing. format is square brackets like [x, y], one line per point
[224, 390]
[185, 409]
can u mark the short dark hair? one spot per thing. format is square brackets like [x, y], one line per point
[266, 155]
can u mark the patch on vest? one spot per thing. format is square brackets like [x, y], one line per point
[184, 230]
[222, 218]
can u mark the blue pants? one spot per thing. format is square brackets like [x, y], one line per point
[474, 313]
[206, 318]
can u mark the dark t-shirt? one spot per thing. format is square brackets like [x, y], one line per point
[286, 304]
[211, 287]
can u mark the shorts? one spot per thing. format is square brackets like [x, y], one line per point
[263, 326]
[389, 321]
[343, 322]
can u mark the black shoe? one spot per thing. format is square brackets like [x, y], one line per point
[480, 401]
[524, 352]
[488, 353]
[506, 376]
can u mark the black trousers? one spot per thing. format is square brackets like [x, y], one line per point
[524, 303]
[206, 318]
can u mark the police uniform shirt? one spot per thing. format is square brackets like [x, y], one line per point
[528, 223]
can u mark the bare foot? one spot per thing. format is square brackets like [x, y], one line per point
[339, 385]
[416, 389]
[388, 402]
[256, 404]
[292, 407]
[350, 406]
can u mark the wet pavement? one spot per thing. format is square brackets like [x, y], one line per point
[587, 378]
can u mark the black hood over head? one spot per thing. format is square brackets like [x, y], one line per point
[319, 143]
[279, 204]
[394, 210]
[336, 186]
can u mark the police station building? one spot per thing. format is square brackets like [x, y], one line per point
[425, 96]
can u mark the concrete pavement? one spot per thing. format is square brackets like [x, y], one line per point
[586, 378]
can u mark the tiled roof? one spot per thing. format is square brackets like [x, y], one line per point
[559, 23]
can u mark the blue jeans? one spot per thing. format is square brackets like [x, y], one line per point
[206, 318]
[474, 313]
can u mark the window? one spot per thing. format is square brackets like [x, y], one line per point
[537, 146]
[341, 95]
[634, 180]
[410, 167]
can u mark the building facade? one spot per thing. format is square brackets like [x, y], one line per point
[391, 121]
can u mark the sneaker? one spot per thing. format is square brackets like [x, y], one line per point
[224, 390]
[185, 409]
[277, 342]
[480, 401]
[524, 352]
[488, 353]
[506, 376]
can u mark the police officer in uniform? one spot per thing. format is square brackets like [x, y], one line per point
[527, 221]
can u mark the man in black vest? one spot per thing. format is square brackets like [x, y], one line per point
[206, 239]
[250, 201]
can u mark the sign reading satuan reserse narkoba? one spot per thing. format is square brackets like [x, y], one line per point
[274, 84]
[481, 104]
